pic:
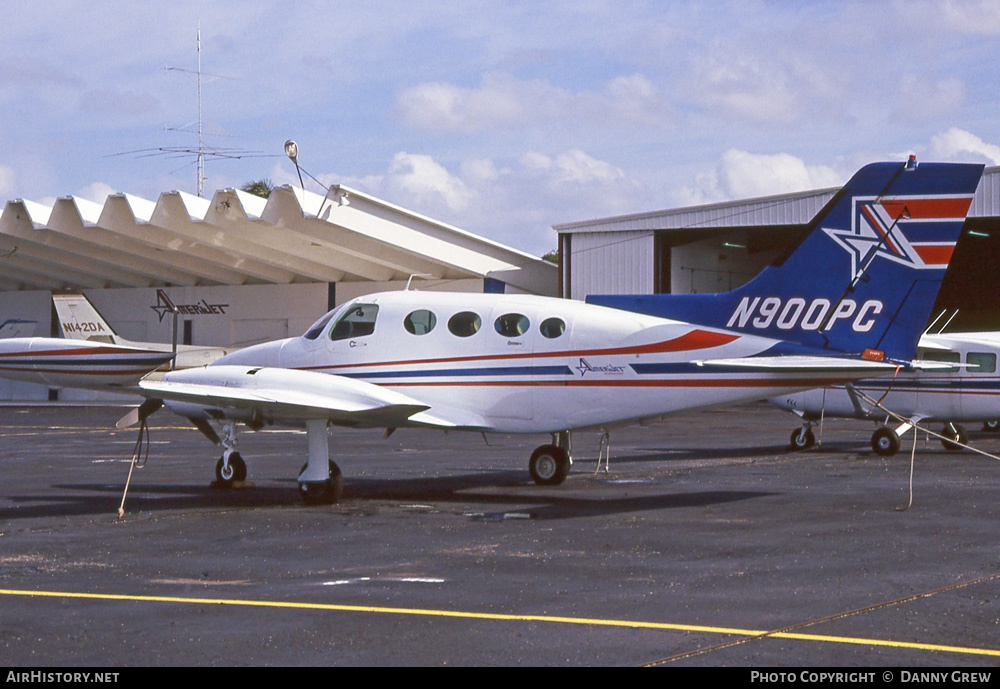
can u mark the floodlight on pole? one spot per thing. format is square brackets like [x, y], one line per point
[292, 151]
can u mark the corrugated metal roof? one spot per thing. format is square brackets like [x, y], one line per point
[237, 238]
[783, 209]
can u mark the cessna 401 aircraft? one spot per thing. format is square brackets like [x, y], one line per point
[967, 391]
[841, 308]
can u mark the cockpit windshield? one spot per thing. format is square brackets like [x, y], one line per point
[357, 321]
[316, 328]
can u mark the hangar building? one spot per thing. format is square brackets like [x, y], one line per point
[717, 247]
[241, 269]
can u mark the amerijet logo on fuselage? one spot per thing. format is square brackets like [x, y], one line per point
[878, 225]
[585, 367]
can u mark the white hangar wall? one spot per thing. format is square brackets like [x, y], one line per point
[24, 314]
[611, 262]
[223, 316]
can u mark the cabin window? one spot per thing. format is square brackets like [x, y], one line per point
[464, 324]
[358, 321]
[552, 327]
[945, 357]
[981, 362]
[316, 328]
[420, 322]
[512, 325]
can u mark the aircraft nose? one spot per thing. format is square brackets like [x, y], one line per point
[266, 354]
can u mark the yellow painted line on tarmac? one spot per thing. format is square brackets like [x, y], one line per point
[551, 619]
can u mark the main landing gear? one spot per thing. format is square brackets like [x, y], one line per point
[549, 464]
[320, 481]
[956, 437]
[886, 441]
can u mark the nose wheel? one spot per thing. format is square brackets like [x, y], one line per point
[228, 473]
[802, 439]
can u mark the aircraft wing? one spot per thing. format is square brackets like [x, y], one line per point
[276, 394]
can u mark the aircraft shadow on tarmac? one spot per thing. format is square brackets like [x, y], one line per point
[509, 491]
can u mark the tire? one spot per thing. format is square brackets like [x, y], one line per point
[326, 492]
[802, 440]
[549, 465]
[885, 442]
[237, 470]
[956, 434]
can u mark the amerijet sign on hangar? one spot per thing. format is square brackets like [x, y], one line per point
[526, 364]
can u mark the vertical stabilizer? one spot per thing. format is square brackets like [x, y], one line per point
[865, 277]
[79, 320]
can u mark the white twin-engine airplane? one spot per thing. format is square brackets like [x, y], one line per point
[834, 311]
[968, 390]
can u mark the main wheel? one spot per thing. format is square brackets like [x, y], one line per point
[885, 442]
[549, 465]
[955, 433]
[326, 492]
[802, 439]
[236, 471]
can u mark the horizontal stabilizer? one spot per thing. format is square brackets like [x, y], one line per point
[804, 364]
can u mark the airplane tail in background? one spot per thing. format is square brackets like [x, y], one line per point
[863, 280]
[79, 320]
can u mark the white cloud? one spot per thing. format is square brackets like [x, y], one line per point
[481, 171]
[921, 98]
[98, 192]
[502, 101]
[755, 88]
[572, 168]
[8, 182]
[516, 202]
[425, 182]
[958, 144]
[743, 175]
[971, 16]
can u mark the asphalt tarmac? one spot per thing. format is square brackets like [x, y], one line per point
[707, 543]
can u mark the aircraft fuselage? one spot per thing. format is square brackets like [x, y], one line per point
[524, 363]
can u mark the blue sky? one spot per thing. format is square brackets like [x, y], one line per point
[502, 118]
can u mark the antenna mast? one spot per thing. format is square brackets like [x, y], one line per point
[201, 150]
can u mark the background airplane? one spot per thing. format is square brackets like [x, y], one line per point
[80, 320]
[968, 391]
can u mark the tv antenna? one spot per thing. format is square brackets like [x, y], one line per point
[202, 151]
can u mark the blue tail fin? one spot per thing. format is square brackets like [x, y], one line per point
[866, 276]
